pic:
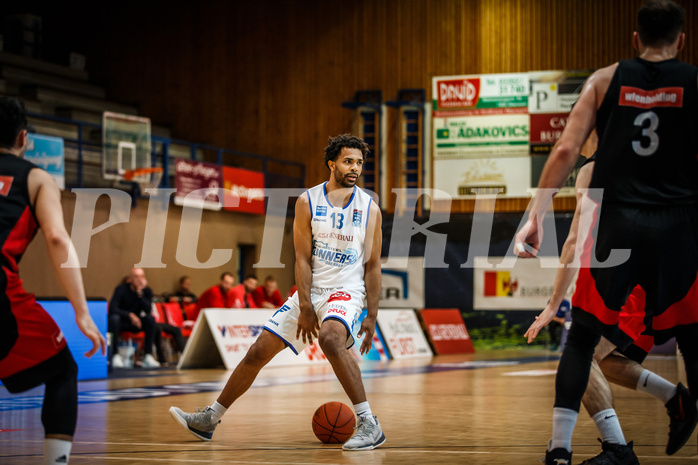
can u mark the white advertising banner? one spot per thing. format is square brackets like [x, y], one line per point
[515, 284]
[403, 287]
[223, 337]
[403, 334]
[480, 91]
[504, 177]
[477, 135]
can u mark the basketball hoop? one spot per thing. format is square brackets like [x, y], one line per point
[144, 177]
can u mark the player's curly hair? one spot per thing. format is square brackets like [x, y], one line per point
[336, 144]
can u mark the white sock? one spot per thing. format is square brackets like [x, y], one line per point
[56, 451]
[656, 386]
[363, 410]
[564, 420]
[609, 426]
[218, 411]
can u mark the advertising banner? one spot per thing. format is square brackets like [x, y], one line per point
[503, 177]
[47, 153]
[244, 190]
[515, 284]
[480, 91]
[192, 176]
[478, 136]
[223, 337]
[447, 331]
[379, 349]
[403, 333]
[403, 287]
[552, 95]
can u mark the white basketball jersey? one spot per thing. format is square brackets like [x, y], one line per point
[338, 239]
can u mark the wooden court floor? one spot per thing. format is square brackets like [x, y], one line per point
[488, 408]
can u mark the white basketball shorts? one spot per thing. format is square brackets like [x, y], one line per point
[344, 305]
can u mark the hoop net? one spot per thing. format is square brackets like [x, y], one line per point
[144, 177]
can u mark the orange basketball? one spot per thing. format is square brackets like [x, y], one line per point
[333, 423]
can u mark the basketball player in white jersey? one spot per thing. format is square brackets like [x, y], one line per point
[337, 237]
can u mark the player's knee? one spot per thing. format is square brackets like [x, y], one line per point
[258, 355]
[331, 342]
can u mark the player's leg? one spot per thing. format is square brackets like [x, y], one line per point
[59, 412]
[203, 422]
[570, 384]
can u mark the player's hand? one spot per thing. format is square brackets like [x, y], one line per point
[528, 239]
[88, 328]
[308, 326]
[542, 320]
[368, 329]
[135, 321]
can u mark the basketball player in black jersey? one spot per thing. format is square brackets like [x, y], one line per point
[33, 350]
[645, 112]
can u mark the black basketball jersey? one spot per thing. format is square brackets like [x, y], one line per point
[648, 134]
[18, 224]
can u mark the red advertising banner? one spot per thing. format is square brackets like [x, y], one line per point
[244, 190]
[193, 176]
[458, 93]
[546, 129]
[447, 331]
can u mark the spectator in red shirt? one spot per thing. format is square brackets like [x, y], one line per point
[242, 293]
[268, 296]
[218, 296]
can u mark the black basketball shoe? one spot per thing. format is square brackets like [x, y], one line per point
[614, 454]
[682, 418]
[558, 456]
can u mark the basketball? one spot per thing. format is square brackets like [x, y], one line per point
[333, 423]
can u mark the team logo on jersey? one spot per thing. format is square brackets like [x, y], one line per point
[321, 210]
[5, 184]
[640, 98]
[356, 217]
[339, 295]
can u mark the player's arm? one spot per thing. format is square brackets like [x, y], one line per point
[308, 326]
[46, 198]
[563, 157]
[565, 274]
[372, 276]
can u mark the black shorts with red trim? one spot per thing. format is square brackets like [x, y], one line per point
[28, 335]
[40, 373]
[662, 258]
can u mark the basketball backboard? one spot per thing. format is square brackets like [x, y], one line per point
[126, 144]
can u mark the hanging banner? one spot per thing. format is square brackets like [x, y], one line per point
[244, 190]
[480, 91]
[191, 176]
[47, 153]
[503, 177]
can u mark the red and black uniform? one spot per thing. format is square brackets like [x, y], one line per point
[647, 166]
[32, 346]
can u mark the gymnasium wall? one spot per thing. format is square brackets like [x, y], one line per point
[117, 248]
[269, 77]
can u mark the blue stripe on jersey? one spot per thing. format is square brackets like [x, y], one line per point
[324, 192]
[368, 212]
[310, 204]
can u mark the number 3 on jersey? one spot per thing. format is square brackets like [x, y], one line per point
[648, 132]
[337, 220]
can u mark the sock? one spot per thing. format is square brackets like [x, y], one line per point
[56, 451]
[656, 386]
[564, 420]
[218, 411]
[609, 426]
[364, 410]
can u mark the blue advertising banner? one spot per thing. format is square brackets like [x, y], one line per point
[47, 153]
[379, 349]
